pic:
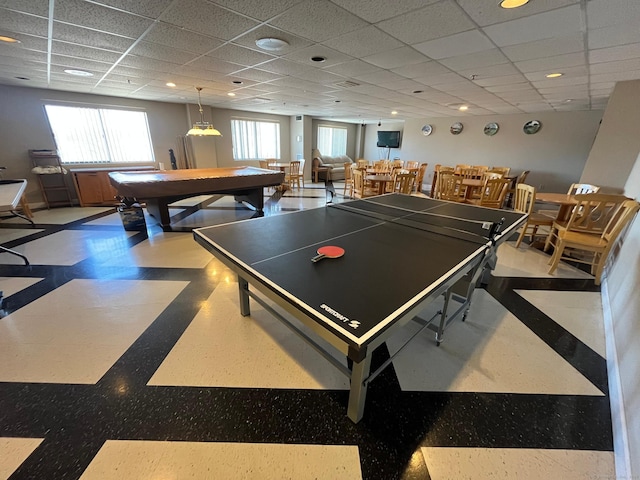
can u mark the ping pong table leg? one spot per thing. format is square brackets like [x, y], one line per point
[443, 317]
[358, 392]
[243, 288]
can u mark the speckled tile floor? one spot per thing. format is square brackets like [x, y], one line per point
[123, 355]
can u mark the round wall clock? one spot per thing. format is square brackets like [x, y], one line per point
[456, 128]
[532, 127]
[426, 130]
[491, 129]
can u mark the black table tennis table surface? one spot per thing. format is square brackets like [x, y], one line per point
[399, 249]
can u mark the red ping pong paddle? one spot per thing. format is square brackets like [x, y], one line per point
[328, 251]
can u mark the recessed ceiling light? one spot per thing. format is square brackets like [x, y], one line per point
[318, 59]
[463, 108]
[231, 94]
[513, 3]
[78, 73]
[170, 84]
[8, 39]
[271, 44]
[394, 113]
[554, 75]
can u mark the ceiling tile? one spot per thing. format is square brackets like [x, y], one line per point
[395, 58]
[364, 41]
[171, 36]
[622, 52]
[475, 60]
[620, 34]
[162, 52]
[472, 41]
[557, 23]
[619, 66]
[90, 38]
[147, 9]
[544, 48]
[606, 13]
[434, 21]
[329, 20]
[102, 19]
[423, 69]
[15, 22]
[380, 77]
[332, 57]
[377, 10]
[552, 63]
[259, 9]
[488, 12]
[352, 68]
[240, 55]
[487, 82]
[80, 52]
[207, 19]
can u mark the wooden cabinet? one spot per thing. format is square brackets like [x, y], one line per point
[93, 186]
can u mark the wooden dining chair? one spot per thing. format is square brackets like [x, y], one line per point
[362, 163]
[294, 175]
[348, 179]
[580, 188]
[403, 183]
[411, 164]
[593, 249]
[590, 215]
[511, 194]
[503, 170]
[360, 188]
[492, 193]
[524, 203]
[450, 187]
[422, 171]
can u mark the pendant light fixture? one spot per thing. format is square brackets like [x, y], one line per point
[202, 128]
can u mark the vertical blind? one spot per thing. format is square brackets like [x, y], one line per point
[332, 141]
[99, 135]
[255, 140]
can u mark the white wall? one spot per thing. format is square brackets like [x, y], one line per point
[616, 148]
[23, 126]
[556, 155]
[614, 161]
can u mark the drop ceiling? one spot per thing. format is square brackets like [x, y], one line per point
[420, 58]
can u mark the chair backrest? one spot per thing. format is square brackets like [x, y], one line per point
[620, 220]
[450, 187]
[470, 173]
[594, 211]
[403, 182]
[482, 168]
[421, 173]
[348, 172]
[397, 163]
[504, 170]
[523, 176]
[580, 188]
[490, 175]
[362, 163]
[382, 166]
[264, 164]
[494, 192]
[409, 164]
[525, 198]
[462, 166]
[294, 168]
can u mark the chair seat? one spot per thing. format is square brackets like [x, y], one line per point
[541, 219]
[586, 239]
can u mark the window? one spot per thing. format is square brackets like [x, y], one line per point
[332, 141]
[100, 135]
[255, 139]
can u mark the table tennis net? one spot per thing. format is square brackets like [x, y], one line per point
[475, 231]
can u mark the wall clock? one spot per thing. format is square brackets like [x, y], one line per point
[532, 127]
[491, 129]
[456, 128]
[426, 130]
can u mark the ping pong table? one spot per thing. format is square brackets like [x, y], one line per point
[402, 252]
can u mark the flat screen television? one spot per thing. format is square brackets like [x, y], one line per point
[388, 139]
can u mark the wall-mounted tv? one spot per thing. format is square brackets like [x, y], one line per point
[388, 139]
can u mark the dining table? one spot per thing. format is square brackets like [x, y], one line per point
[565, 201]
[283, 167]
[380, 180]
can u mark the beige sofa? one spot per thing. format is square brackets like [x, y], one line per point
[328, 168]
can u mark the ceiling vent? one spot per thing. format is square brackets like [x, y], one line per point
[347, 84]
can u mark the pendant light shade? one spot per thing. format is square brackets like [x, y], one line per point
[202, 128]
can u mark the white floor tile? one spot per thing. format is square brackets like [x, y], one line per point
[11, 285]
[530, 262]
[511, 463]
[9, 234]
[165, 250]
[489, 352]
[578, 312]
[69, 247]
[14, 451]
[75, 333]
[118, 460]
[224, 349]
